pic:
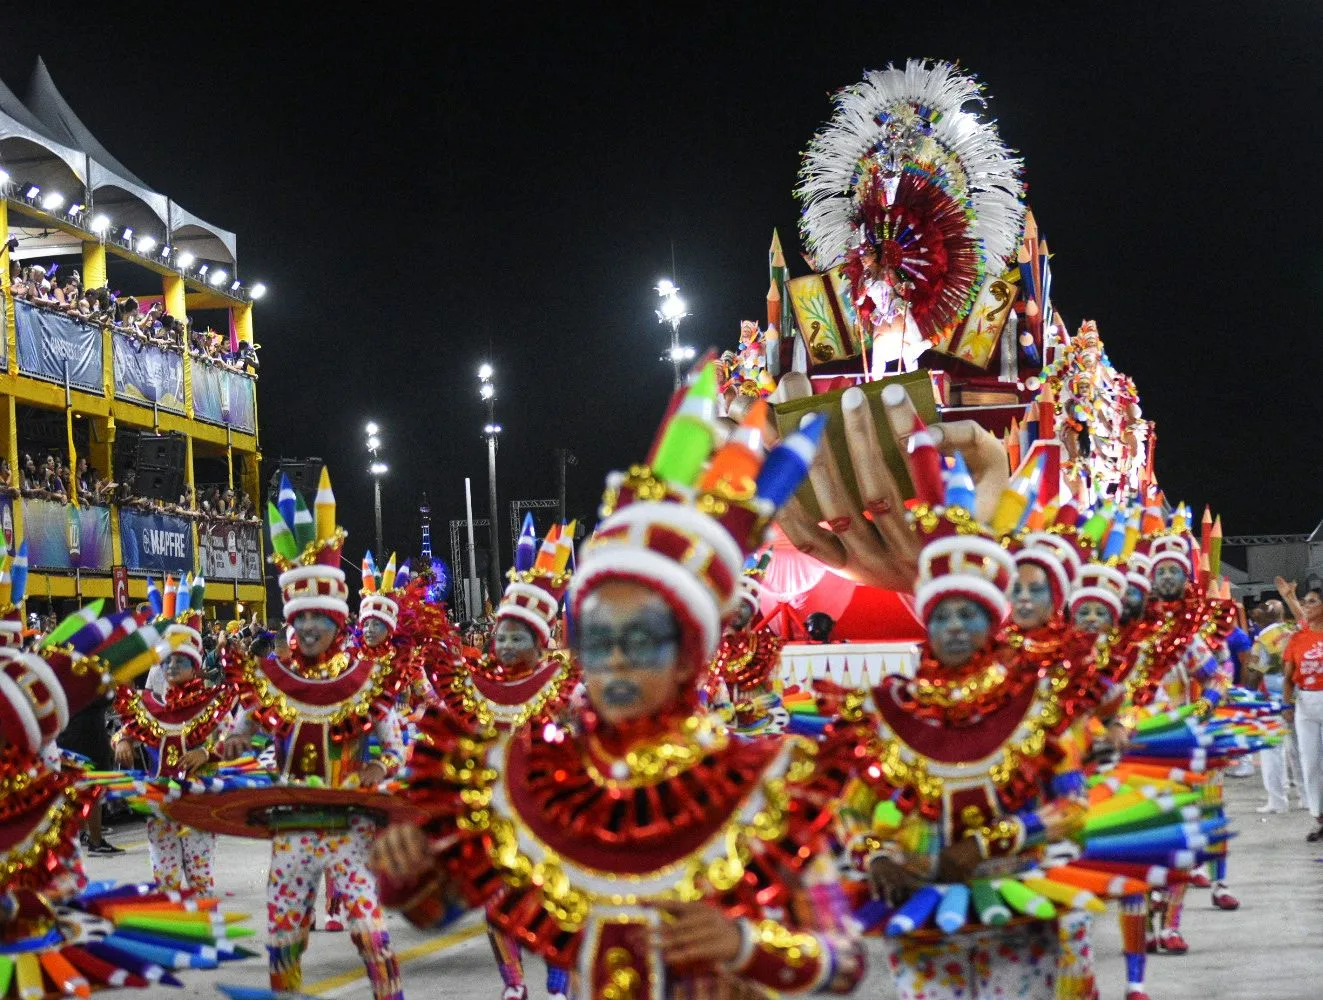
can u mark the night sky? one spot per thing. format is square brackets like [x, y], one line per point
[413, 188]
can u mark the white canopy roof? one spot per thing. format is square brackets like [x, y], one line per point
[43, 141]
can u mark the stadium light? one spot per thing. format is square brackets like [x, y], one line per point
[4, 177]
[372, 429]
[31, 193]
[100, 223]
[145, 244]
[485, 371]
[217, 279]
[257, 291]
[185, 259]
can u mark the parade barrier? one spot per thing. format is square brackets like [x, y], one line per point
[51, 346]
[62, 536]
[230, 551]
[156, 543]
[145, 373]
[221, 396]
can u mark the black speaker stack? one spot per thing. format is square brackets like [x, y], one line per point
[159, 466]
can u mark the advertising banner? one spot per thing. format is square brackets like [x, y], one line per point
[230, 551]
[62, 536]
[148, 374]
[221, 396]
[156, 543]
[48, 342]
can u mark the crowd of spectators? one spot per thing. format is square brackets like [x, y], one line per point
[50, 478]
[153, 326]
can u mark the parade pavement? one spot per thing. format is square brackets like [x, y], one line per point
[1268, 950]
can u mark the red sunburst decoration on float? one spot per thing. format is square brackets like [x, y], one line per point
[918, 242]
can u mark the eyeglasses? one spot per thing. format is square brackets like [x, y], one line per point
[642, 648]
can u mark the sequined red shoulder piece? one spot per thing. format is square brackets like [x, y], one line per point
[617, 828]
[41, 812]
[194, 705]
[366, 690]
[550, 794]
[746, 659]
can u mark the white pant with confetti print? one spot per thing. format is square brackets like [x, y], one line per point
[181, 856]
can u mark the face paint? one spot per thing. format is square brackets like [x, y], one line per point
[179, 669]
[313, 632]
[1094, 617]
[1169, 580]
[628, 642]
[513, 643]
[1031, 598]
[620, 693]
[957, 629]
[1132, 605]
[648, 640]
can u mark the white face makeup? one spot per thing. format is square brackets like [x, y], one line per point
[179, 669]
[957, 629]
[1093, 617]
[628, 643]
[1169, 580]
[1031, 598]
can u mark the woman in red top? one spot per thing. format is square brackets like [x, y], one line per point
[1302, 691]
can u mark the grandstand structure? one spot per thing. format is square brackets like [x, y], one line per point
[175, 418]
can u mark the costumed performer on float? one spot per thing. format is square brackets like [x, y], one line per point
[643, 844]
[179, 732]
[320, 706]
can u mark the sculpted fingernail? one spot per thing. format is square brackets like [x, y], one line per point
[839, 524]
[853, 398]
[893, 395]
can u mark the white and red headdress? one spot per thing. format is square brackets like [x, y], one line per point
[960, 559]
[382, 590]
[1099, 582]
[179, 614]
[539, 578]
[1171, 548]
[307, 552]
[1057, 557]
[1139, 572]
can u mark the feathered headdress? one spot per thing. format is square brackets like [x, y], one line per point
[539, 577]
[307, 551]
[905, 175]
[683, 523]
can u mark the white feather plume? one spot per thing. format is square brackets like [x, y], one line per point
[831, 165]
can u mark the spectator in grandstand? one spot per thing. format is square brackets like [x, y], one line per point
[67, 292]
[20, 283]
[29, 480]
[52, 484]
[83, 478]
